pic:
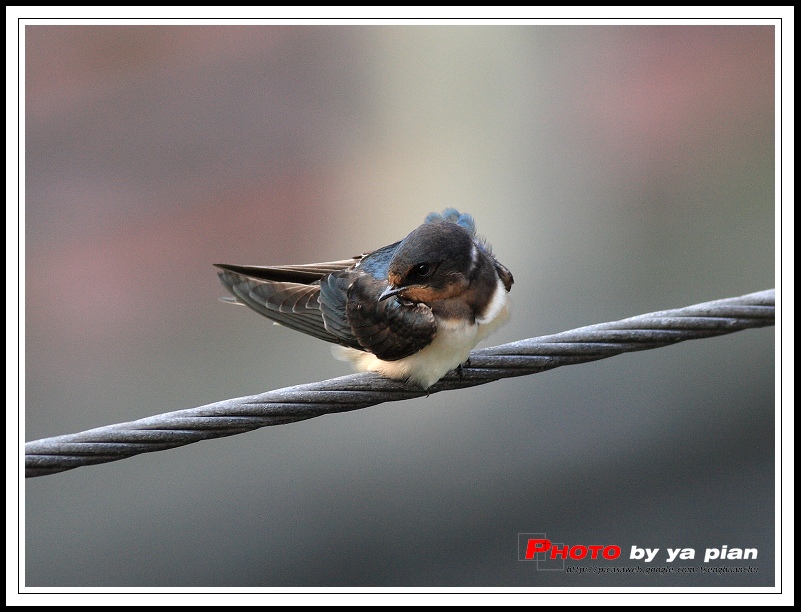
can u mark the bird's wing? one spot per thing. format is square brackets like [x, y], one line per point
[313, 299]
[303, 273]
[388, 328]
[290, 296]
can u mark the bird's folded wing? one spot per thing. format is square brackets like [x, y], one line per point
[303, 273]
[388, 328]
[293, 305]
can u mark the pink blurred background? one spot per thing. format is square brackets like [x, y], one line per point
[616, 170]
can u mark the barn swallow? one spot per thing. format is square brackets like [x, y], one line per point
[412, 310]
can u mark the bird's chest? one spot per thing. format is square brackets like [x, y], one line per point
[450, 347]
[454, 338]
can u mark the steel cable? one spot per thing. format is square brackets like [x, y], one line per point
[290, 404]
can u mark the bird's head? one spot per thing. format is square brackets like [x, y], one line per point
[434, 262]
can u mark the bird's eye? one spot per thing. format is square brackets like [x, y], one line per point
[422, 270]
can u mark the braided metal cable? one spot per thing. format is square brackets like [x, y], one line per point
[233, 416]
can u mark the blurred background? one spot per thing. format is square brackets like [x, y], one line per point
[616, 170]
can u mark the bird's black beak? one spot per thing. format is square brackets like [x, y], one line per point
[389, 292]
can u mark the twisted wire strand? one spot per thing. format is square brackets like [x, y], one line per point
[356, 391]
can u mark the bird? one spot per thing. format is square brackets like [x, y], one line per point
[411, 311]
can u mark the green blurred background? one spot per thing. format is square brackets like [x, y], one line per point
[616, 170]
